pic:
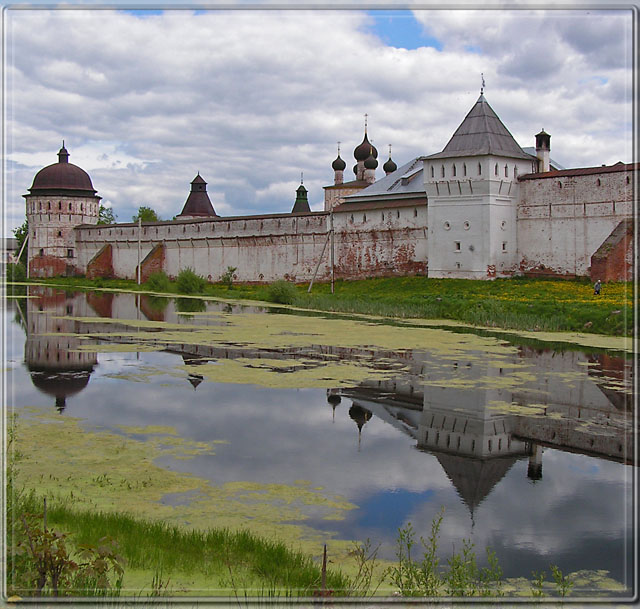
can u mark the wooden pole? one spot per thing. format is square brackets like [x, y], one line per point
[20, 253]
[139, 232]
[324, 247]
[332, 252]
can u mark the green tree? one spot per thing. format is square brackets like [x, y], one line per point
[146, 214]
[20, 234]
[106, 215]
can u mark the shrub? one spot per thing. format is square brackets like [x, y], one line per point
[16, 272]
[158, 282]
[227, 276]
[282, 292]
[189, 282]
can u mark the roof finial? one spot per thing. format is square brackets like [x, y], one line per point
[483, 85]
[389, 150]
[338, 148]
[301, 177]
[63, 143]
[366, 116]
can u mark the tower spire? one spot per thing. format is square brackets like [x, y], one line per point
[366, 116]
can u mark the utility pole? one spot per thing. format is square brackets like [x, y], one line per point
[332, 250]
[139, 232]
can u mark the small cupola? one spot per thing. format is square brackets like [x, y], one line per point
[301, 204]
[338, 167]
[389, 166]
[543, 149]
[63, 154]
[370, 166]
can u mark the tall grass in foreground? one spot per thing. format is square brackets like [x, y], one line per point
[157, 546]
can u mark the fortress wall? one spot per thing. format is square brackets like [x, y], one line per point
[377, 241]
[267, 248]
[562, 221]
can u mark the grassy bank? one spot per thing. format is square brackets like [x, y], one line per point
[164, 560]
[519, 304]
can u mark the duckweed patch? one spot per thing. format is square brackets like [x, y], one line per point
[110, 472]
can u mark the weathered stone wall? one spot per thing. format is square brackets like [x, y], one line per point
[562, 221]
[153, 262]
[101, 265]
[51, 248]
[613, 261]
[267, 248]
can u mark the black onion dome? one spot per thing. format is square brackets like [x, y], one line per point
[362, 152]
[371, 162]
[355, 169]
[338, 164]
[62, 176]
[389, 166]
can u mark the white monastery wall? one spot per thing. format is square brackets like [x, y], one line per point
[563, 220]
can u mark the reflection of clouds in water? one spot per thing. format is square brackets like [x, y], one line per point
[284, 435]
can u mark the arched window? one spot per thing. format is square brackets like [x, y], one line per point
[515, 171]
[479, 169]
[455, 171]
[506, 171]
[432, 172]
[496, 169]
[442, 171]
[464, 169]
[559, 184]
[598, 182]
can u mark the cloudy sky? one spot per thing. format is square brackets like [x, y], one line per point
[251, 98]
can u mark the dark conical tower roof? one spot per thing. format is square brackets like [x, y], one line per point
[301, 204]
[481, 133]
[198, 202]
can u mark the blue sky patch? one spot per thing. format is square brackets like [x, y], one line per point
[389, 510]
[401, 30]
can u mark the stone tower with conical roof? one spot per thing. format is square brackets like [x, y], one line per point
[472, 192]
[198, 204]
[60, 198]
[301, 204]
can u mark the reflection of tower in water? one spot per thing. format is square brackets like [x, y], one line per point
[360, 415]
[334, 399]
[57, 367]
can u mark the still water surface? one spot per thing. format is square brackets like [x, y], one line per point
[527, 445]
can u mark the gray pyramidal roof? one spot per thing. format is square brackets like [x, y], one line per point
[480, 133]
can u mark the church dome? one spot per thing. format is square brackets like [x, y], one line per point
[389, 166]
[338, 164]
[371, 162]
[63, 176]
[362, 152]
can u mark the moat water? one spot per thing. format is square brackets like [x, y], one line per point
[527, 445]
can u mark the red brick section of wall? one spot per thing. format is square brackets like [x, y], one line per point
[101, 265]
[153, 263]
[613, 260]
[49, 266]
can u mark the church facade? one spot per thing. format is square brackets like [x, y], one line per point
[481, 208]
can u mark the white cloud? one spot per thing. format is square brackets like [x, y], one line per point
[252, 98]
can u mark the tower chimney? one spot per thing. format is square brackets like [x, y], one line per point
[543, 146]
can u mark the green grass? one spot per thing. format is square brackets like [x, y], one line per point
[520, 304]
[214, 557]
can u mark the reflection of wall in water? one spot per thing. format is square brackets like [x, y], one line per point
[51, 352]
